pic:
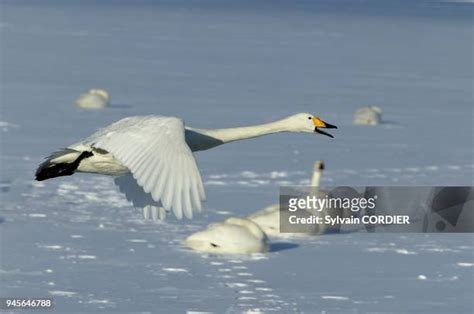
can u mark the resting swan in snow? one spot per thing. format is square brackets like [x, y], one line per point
[93, 99]
[268, 218]
[151, 157]
[370, 115]
[233, 236]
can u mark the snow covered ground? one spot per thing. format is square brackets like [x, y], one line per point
[228, 63]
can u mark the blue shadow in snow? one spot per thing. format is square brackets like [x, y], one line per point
[119, 106]
[282, 246]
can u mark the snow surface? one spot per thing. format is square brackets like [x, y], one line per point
[226, 63]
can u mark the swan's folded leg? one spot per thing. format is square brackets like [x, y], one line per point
[162, 213]
[154, 213]
[146, 212]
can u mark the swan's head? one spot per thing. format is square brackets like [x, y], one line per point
[233, 236]
[306, 122]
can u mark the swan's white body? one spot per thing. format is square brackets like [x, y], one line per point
[268, 219]
[233, 236]
[153, 160]
[93, 99]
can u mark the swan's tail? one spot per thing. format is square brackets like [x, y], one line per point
[61, 163]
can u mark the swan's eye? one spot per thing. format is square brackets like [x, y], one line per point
[309, 118]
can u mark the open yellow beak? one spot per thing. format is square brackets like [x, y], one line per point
[318, 123]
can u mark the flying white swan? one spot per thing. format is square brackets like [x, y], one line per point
[233, 236]
[151, 156]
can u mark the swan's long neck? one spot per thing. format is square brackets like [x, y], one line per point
[202, 139]
[316, 179]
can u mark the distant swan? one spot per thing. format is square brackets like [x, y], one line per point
[93, 99]
[233, 236]
[152, 157]
[370, 115]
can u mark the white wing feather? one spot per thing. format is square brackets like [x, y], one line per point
[139, 198]
[154, 149]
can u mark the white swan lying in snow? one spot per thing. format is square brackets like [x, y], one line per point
[233, 236]
[152, 157]
[93, 99]
[370, 115]
[268, 218]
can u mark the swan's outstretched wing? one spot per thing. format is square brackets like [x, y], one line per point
[154, 149]
[133, 192]
[136, 195]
